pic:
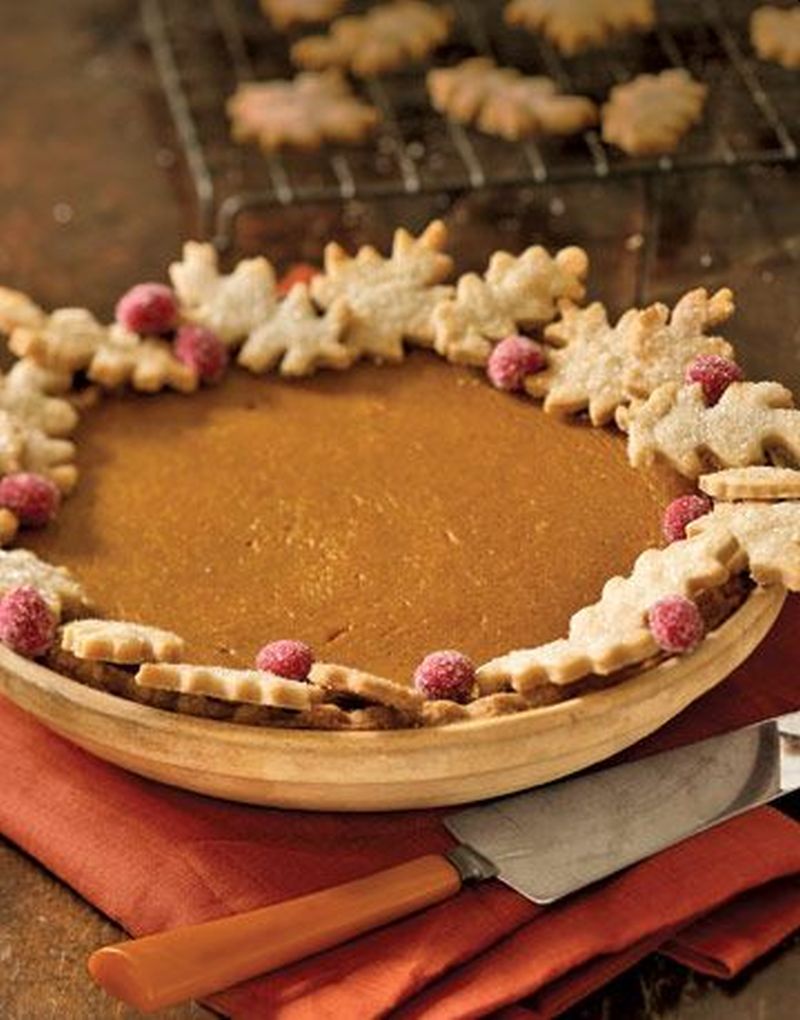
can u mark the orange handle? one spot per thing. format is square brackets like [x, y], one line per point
[188, 963]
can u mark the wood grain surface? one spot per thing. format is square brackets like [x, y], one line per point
[92, 198]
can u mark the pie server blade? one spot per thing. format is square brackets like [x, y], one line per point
[549, 842]
[544, 843]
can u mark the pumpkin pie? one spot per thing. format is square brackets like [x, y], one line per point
[373, 481]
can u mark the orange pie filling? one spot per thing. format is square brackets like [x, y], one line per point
[376, 514]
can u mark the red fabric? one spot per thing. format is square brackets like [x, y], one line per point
[152, 857]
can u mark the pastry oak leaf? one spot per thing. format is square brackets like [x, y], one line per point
[516, 292]
[613, 633]
[769, 534]
[650, 114]
[56, 585]
[231, 305]
[299, 337]
[390, 299]
[749, 421]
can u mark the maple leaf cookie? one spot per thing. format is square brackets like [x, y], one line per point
[390, 299]
[303, 113]
[775, 34]
[285, 13]
[749, 421]
[386, 38]
[63, 594]
[575, 25]
[649, 115]
[515, 292]
[502, 101]
[229, 305]
[299, 337]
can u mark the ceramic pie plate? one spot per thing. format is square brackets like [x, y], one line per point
[385, 770]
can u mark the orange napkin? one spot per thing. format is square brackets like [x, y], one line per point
[153, 857]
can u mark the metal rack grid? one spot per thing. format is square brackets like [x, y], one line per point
[202, 51]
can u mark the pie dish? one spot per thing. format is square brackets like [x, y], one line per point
[416, 500]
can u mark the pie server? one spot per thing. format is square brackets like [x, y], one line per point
[545, 843]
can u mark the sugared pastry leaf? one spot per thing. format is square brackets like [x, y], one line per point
[299, 338]
[120, 642]
[769, 534]
[516, 292]
[286, 13]
[231, 305]
[25, 393]
[303, 113]
[71, 340]
[588, 370]
[663, 343]
[502, 101]
[575, 25]
[252, 686]
[775, 34]
[650, 114]
[20, 567]
[373, 689]
[17, 311]
[757, 483]
[390, 299]
[387, 37]
[614, 632]
[23, 447]
[750, 420]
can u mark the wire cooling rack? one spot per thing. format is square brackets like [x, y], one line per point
[202, 51]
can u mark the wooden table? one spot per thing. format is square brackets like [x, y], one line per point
[93, 198]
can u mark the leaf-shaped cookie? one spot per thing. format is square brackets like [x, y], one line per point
[516, 292]
[588, 370]
[286, 13]
[613, 633]
[18, 310]
[650, 114]
[390, 299]
[775, 34]
[55, 584]
[25, 392]
[24, 447]
[749, 421]
[662, 343]
[299, 337]
[387, 37]
[303, 113]
[769, 534]
[502, 101]
[574, 25]
[231, 305]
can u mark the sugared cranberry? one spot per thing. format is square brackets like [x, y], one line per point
[300, 272]
[202, 351]
[27, 624]
[148, 308]
[446, 674]
[290, 659]
[715, 374]
[681, 512]
[512, 360]
[676, 624]
[32, 498]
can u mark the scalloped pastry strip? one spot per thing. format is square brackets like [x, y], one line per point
[252, 686]
[754, 483]
[121, 642]
[343, 680]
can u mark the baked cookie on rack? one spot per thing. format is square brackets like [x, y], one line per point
[502, 101]
[775, 34]
[303, 113]
[649, 115]
[386, 38]
[287, 13]
[575, 25]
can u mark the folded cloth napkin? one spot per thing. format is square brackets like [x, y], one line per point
[153, 857]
